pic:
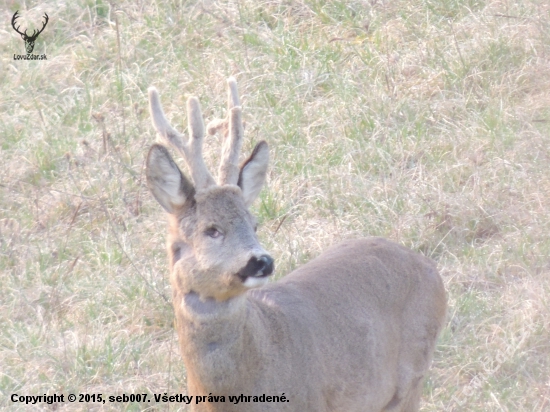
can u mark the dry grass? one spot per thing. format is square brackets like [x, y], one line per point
[424, 121]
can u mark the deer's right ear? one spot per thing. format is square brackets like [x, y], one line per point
[253, 173]
[166, 181]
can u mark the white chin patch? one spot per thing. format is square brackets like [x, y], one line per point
[252, 282]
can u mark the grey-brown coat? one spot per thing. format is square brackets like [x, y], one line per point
[352, 330]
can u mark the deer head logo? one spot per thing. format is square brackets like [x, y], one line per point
[29, 40]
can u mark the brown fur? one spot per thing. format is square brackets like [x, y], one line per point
[352, 330]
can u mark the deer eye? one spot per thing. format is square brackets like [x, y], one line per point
[213, 233]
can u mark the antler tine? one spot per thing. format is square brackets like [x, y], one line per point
[232, 93]
[13, 21]
[191, 152]
[229, 164]
[168, 134]
[232, 101]
[44, 24]
[199, 171]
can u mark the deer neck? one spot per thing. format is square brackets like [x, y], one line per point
[218, 341]
[226, 317]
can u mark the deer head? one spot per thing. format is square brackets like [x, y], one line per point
[213, 248]
[29, 40]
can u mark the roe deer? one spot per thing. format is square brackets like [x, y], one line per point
[352, 330]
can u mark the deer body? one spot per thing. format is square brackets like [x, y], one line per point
[341, 333]
[352, 330]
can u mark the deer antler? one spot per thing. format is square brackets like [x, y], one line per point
[190, 150]
[15, 16]
[232, 131]
[43, 26]
[24, 34]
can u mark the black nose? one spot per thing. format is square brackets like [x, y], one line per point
[257, 267]
[266, 265]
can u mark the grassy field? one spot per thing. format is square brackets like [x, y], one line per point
[424, 121]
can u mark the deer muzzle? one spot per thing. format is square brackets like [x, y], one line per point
[257, 267]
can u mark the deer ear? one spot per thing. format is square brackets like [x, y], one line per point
[253, 173]
[166, 181]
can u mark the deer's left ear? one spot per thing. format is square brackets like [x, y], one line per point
[166, 181]
[253, 173]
